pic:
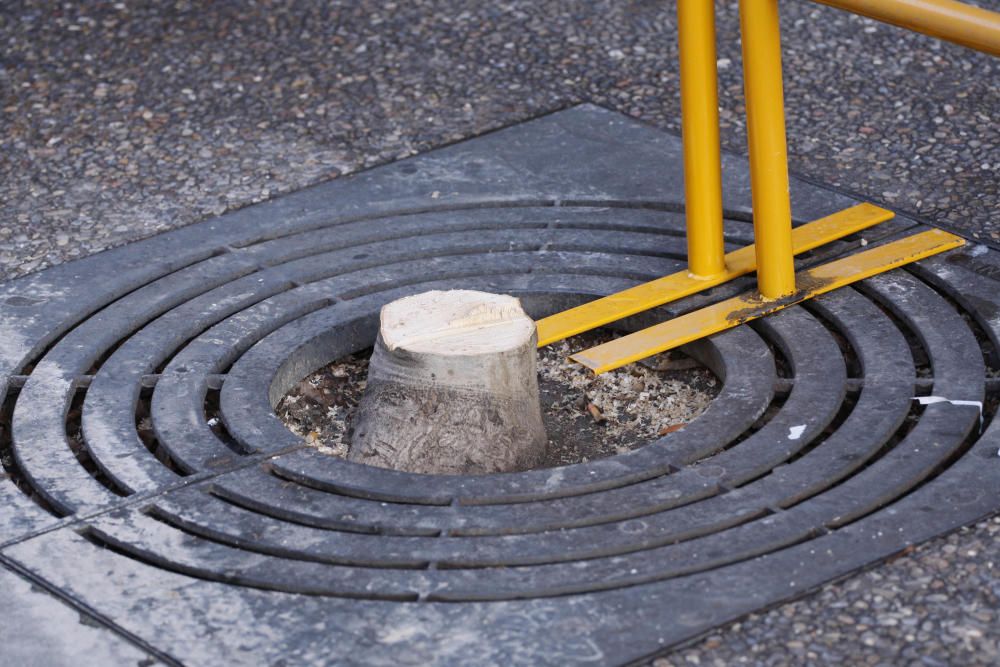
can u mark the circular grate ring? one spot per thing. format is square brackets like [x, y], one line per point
[160, 400]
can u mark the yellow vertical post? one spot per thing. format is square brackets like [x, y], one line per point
[700, 123]
[772, 214]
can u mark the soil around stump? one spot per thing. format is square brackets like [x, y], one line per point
[586, 417]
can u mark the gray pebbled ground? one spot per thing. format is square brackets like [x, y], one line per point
[121, 120]
[118, 121]
[936, 606]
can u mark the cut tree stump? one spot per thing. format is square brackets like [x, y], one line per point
[452, 387]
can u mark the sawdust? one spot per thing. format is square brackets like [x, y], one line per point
[586, 417]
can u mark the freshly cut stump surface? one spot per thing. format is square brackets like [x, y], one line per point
[452, 387]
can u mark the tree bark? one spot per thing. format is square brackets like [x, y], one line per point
[452, 387]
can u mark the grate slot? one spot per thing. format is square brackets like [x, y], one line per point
[7, 459]
[851, 358]
[921, 360]
[250, 545]
[144, 429]
[78, 445]
[213, 417]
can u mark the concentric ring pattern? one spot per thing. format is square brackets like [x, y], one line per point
[760, 470]
[138, 412]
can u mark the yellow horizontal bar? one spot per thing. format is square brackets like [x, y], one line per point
[737, 310]
[681, 284]
[949, 20]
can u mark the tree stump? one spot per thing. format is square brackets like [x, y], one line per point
[452, 387]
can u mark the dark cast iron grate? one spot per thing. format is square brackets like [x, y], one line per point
[150, 485]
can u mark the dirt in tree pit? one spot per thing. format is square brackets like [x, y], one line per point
[586, 417]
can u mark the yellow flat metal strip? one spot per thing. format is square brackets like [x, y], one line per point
[681, 284]
[737, 310]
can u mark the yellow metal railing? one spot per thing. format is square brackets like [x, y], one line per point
[947, 19]
[772, 209]
[700, 123]
[773, 252]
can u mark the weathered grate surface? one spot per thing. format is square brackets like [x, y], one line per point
[151, 486]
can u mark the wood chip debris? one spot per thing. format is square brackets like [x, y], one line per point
[596, 413]
[670, 428]
[587, 417]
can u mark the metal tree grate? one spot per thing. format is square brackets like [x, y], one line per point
[150, 484]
